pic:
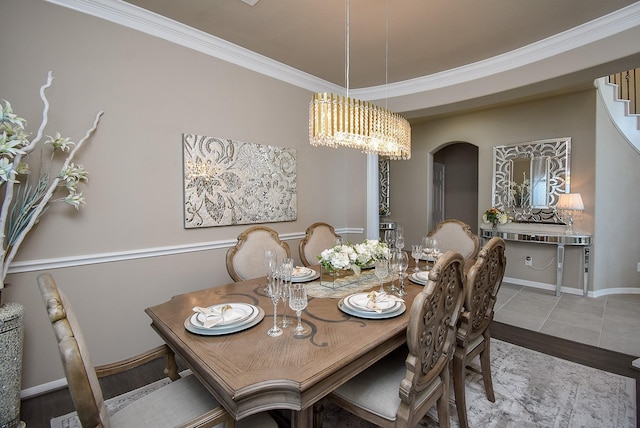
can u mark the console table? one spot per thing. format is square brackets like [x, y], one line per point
[560, 240]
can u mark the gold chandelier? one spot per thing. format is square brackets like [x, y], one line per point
[336, 120]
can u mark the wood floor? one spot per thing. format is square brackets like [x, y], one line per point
[36, 412]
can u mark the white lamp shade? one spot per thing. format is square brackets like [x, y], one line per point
[570, 201]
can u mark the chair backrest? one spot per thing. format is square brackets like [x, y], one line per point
[319, 236]
[481, 289]
[455, 235]
[81, 376]
[431, 330]
[246, 259]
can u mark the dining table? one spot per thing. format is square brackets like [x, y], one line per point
[249, 372]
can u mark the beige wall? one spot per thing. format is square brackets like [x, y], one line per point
[151, 92]
[617, 208]
[570, 115]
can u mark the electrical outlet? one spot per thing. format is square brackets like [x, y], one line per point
[528, 261]
[638, 266]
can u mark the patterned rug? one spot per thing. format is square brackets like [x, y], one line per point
[532, 390]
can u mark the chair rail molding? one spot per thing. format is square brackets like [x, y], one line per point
[125, 255]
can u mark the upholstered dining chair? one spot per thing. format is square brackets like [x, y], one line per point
[318, 237]
[245, 260]
[184, 402]
[455, 235]
[473, 337]
[400, 389]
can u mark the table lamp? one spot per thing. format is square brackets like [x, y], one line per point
[571, 207]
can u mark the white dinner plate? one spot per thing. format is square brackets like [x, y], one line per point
[306, 278]
[420, 278]
[245, 313]
[359, 302]
[371, 315]
[219, 331]
[302, 272]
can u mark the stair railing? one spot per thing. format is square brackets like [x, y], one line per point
[628, 83]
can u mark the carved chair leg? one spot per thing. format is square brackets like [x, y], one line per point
[443, 409]
[458, 387]
[485, 364]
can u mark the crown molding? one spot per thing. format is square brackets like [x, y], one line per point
[142, 20]
[153, 24]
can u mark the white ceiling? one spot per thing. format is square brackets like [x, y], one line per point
[429, 41]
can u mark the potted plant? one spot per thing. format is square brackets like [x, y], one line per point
[24, 202]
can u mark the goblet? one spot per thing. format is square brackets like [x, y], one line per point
[396, 256]
[399, 242]
[382, 271]
[270, 263]
[274, 290]
[297, 302]
[286, 269]
[401, 266]
[416, 253]
[432, 251]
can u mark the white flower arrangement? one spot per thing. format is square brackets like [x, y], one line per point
[24, 202]
[354, 257]
[495, 215]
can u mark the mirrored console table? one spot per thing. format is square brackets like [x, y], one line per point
[560, 240]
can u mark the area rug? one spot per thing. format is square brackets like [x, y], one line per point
[532, 389]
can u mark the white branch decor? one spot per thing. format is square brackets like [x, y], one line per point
[25, 202]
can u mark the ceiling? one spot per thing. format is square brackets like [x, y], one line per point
[425, 37]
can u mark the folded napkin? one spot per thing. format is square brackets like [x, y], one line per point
[422, 276]
[213, 316]
[374, 299]
[300, 271]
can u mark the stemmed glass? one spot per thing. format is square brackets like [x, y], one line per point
[399, 242]
[402, 260]
[416, 253]
[432, 250]
[286, 270]
[393, 266]
[270, 263]
[274, 290]
[297, 302]
[382, 271]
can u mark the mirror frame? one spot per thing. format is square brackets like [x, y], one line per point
[558, 153]
[384, 202]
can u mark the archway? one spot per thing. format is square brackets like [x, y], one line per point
[455, 183]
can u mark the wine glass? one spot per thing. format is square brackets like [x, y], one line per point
[396, 255]
[416, 253]
[270, 264]
[399, 242]
[389, 237]
[382, 271]
[399, 232]
[297, 302]
[402, 264]
[431, 250]
[274, 290]
[286, 270]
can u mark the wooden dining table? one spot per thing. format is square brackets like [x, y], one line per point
[250, 372]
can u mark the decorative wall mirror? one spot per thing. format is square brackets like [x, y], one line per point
[383, 187]
[528, 178]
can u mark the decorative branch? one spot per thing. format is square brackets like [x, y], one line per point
[13, 149]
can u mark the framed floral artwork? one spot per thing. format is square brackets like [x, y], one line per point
[229, 182]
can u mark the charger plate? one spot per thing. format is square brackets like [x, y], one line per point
[253, 320]
[371, 315]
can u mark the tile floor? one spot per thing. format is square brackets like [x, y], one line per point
[609, 322]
